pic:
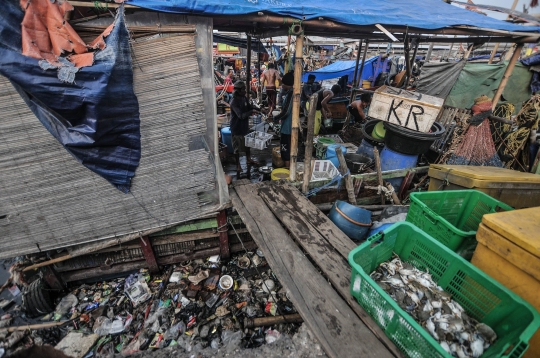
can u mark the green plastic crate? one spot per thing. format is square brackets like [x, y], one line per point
[452, 216]
[513, 319]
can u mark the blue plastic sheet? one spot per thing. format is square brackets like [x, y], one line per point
[95, 118]
[426, 14]
[343, 68]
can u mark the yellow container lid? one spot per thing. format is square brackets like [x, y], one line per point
[486, 173]
[522, 227]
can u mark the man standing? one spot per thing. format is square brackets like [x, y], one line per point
[357, 108]
[285, 116]
[269, 79]
[240, 112]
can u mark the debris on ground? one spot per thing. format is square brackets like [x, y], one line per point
[196, 306]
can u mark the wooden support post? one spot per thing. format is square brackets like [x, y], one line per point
[506, 76]
[248, 67]
[223, 235]
[348, 180]
[148, 253]
[353, 93]
[468, 53]
[296, 104]
[430, 49]
[355, 77]
[494, 52]
[379, 172]
[309, 142]
[52, 278]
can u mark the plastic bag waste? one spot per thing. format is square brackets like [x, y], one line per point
[65, 306]
[103, 326]
[175, 331]
[231, 340]
[136, 289]
[272, 336]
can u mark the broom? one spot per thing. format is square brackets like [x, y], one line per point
[477, 146]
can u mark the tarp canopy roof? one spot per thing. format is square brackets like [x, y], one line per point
[265, 15]
[342, 68]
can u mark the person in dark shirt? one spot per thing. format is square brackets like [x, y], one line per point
[285, 116]
[357, 108]
[307, 90]
[240, 112]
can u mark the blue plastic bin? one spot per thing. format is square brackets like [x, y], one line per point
[226, 138]
[391, 160]
[331, 154]
[355, 222]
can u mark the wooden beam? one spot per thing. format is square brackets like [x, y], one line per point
[309, 142]
[295, 215]
[506, 76]
[148, 252]
[223, 235]
[101, 4]
[330, 319]
[248, 67]
[299, 57]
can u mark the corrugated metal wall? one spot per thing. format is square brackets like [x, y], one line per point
[48, 200]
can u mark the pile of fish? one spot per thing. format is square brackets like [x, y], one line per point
[444, 319]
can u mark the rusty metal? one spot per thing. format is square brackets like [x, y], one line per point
[148, 252]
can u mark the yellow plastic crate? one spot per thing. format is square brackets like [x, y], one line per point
[509, 251]
[517, 189]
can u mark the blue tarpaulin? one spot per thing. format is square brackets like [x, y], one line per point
[426, 14]
[95, 118]
[343, 68]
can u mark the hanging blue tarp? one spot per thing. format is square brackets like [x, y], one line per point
[96, 117]
[342, 68]
[426, 14]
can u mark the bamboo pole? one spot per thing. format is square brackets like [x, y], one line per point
[287, 61]
[353, 94]
[506, 76]
[35, 326]
[309, 142]
[269, 321]
[354, 83]
[428, 55]
[379, 172]
[348, 180]
[248, 67]
[494, 52]
[296, 103]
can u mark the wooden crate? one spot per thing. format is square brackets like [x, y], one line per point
[412, 110]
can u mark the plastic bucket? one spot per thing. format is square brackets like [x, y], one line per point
[366, 84]
[355, 222]
[407, 141]
[226, 137]
[379, 131]
[367, 130]
[391, 160]
[331, 154]
[280, 173]
[366, 148]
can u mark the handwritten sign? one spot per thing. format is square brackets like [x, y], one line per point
[412, 110]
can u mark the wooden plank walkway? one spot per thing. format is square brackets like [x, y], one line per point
[269, 211]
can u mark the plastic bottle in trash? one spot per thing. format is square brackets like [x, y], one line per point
[65, 305]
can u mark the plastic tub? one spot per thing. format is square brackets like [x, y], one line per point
[407, 141]
[514, 320]
[379, 131]
[352, 220]
[331, 154]
[226, 137]
[452, 217]
[367, 130]
[391, 160]
[280, 173]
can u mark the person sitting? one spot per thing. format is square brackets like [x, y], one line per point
[285, 117]
[241, 109]
[357, 108]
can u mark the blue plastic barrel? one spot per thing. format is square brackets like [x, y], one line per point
[380, 228]
[366, 148]
[226, 138]
[331, 154]
[391, 160]
[355, 222]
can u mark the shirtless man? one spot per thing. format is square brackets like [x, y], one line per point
[269, 78]
[357, 108]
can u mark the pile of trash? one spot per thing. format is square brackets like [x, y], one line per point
[192, 306]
